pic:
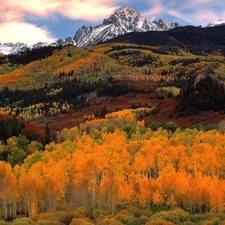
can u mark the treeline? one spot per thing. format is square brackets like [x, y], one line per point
[109, 170]
[206, 94]
[33, 54]
[59, 97]
[192, 39]
[46, 101]
[15, 127]
[9, 128]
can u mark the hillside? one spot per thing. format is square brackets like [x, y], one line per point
[149, 69]
[199, 41]
[128, 132]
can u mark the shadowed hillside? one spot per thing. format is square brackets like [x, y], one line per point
[199, 41]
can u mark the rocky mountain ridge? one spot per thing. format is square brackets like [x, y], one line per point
[122, 21]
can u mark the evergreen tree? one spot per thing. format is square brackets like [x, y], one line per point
[47, 137]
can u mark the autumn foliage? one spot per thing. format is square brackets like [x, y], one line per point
[111, 170]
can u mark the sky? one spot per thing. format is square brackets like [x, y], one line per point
[32, 21]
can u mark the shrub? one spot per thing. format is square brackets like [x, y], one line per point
[80, 221]
[126, 217]
[135, 211]
[107, 221]
[80, 212]
[146, 212]
[48, 222]
[183, 215]
[176, 216]
[216, 221]
[98, 213]
[197, 218]
[159, 222]
[211, 216]
[64, 217]
[143, 219]
[2, 222]
[155, 125]
[171, 126]
[22, 221]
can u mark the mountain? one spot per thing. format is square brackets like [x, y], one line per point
[197, 40]
[215, 23]
[14, 48]
[124, 20]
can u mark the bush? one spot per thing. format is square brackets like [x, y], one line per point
[176, 216]
[216, 221]
[135, 211]
[142, 214]
[64, 217]
[143, 219]
[183, 215]
[159, 222]
[80, 221]
[80, 212]
[22, 221]
[126, 217]
[211, 216]
[146, 212]
[98, 213]
[197, 218]
[107, 221]
[155, 125]
[171, 126]
[48, 222]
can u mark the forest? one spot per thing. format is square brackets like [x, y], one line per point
[117, 166]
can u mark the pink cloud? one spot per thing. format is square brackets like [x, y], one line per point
[206, 17]
[197, 18]
[94, 10]
[75, 9]
[175, 14]
[201, 1]
[13, 28]
[154, 11]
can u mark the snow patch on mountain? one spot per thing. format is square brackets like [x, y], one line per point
[124, 20]
[215, 23]
[11, 48]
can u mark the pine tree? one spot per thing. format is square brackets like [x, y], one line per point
[47, 137]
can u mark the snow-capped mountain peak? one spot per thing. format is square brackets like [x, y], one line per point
[216, 23]
[122, 21]
[12, 48]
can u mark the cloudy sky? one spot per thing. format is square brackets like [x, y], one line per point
[31, 21]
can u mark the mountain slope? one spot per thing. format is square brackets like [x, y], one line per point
[124, 20]
[73, 82]
[200, 41]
